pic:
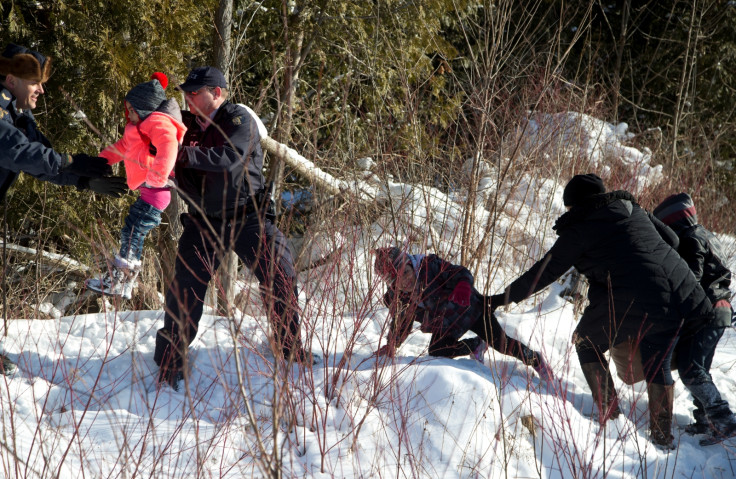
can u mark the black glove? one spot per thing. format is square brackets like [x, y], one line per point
[495, 301]
[114, 186]
[90, 166]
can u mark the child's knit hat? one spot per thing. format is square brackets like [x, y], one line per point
[677, 211]
[147, 97]
[388, 260]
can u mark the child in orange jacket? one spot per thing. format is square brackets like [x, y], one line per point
[149, 147]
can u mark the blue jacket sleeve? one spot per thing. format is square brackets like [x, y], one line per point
[63, 179]
[17, 154]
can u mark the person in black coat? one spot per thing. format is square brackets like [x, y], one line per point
[639, 288]
[219, 174]
[441, 297]
[702, 251]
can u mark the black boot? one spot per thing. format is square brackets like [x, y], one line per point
[721, 428]
[604, 391]
[700, 426]
[720, 422]
[661, 400]
[170, 377]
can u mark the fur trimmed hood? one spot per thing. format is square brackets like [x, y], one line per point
[25, 63]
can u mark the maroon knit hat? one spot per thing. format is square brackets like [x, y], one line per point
[388, 261]
[678, 208]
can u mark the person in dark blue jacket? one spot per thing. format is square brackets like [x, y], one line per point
[639, 288]
[703, 252]
[219, 174]
[23, 147]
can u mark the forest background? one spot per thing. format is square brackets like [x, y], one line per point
[418, 86]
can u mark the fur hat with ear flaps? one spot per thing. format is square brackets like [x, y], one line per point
[25, 63]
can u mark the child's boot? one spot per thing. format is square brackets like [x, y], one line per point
[118, 280]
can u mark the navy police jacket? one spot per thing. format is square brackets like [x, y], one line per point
[24, 148]
[219, 169]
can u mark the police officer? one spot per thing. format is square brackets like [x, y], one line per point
[23, 147]
[219, 172]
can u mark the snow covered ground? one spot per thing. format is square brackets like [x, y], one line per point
[84, 402]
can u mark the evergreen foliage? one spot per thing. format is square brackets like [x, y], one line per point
[100, 50]
[419, 86]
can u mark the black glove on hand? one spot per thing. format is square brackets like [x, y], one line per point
[497, 300]
[90, 166]
[114, 186]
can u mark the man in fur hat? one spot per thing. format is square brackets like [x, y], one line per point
[24, 148]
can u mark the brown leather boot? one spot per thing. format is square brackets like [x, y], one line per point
[661, 399]
[604, 391]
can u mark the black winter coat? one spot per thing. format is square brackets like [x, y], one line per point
[24, 148]
[703, 253]
[637, 281]
[220, 169]
[429, 305]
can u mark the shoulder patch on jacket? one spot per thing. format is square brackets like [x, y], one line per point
[238, 120]
[3, 113]
[5, 96]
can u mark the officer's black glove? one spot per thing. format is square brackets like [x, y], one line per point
[90, 166]
[114, 186]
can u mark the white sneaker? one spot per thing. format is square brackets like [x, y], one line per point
[118, 280]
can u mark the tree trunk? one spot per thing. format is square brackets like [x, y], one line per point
[223, 28]
[228, 271]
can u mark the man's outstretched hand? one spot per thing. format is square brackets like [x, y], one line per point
[496, 301]
[90, 166]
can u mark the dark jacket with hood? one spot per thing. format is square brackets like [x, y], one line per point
[220, 169]
[429, 305]
[699, 247]
[637, 281]
[24, 148]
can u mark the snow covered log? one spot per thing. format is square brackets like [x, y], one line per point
[308, 170]
[53, 261]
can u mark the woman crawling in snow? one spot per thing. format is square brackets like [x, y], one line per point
[440, 296]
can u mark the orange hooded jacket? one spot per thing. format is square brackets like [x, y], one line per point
[165, 132]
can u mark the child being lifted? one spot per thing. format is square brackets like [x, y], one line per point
[149, 147]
